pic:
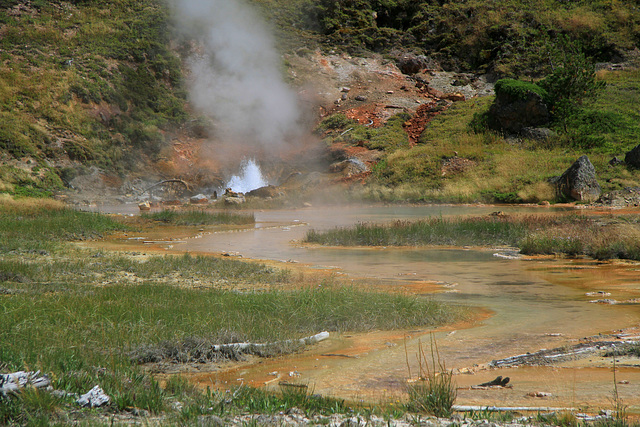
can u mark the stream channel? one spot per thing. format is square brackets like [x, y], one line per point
[531, 304]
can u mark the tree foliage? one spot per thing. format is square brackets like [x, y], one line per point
[572, 79]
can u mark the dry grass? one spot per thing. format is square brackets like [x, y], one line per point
[578, 20]
[8, 204]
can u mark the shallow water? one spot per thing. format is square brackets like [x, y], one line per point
[539, 303]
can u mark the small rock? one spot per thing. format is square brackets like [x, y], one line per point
[144, 206]
[200, 199]
[615, 161]
[94, 398]
[455, 97]
[360, 98]
[539, 394]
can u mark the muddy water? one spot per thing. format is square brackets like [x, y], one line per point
[535, 304]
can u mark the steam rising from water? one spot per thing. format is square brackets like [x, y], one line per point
[236, 75]
[249, 178]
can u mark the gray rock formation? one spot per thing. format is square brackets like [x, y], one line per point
[513, 115]
[264, 192]
[632, 158]
[626, 197]
[579, 181]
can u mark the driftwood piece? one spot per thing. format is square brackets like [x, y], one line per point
[247, 345]
[560, 354]
[469, 408]
[499, 382]
[13, 382]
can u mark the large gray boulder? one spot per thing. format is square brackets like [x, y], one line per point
[514, 114]
[579, 181]
[632, 158]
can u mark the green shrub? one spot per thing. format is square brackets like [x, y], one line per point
[518, 89]
[334, 122]
[571, 81]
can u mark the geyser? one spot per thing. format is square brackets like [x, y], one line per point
[249, 178]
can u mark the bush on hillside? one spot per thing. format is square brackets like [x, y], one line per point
[518, 89]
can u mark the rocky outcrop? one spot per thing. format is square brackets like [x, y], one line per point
[264, 192]
[626, 197]
[579, 181]
[199, 199]
[410, 63]
[514, 114]
[235, 200]
[632, 158]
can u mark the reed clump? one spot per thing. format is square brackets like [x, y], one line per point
[199, 217]
[434, 392]
[600, 237]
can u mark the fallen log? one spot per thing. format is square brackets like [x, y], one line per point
[469, 408]
[12, 383]
[247, 345]
[560, 354]
[498, 382]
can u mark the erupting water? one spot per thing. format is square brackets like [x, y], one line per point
[249, 178]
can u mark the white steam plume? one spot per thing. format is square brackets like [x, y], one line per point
[236, 76]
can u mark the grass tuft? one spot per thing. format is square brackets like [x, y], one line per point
[605, 237]
[199, 217]
[434, 392]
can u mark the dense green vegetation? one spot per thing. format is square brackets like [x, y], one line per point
[600, 238]
[508, 36]
[389, 137]
[92, 82]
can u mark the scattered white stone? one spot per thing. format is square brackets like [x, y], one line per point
[94, 398]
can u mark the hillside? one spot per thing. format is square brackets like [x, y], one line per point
[95, 95]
